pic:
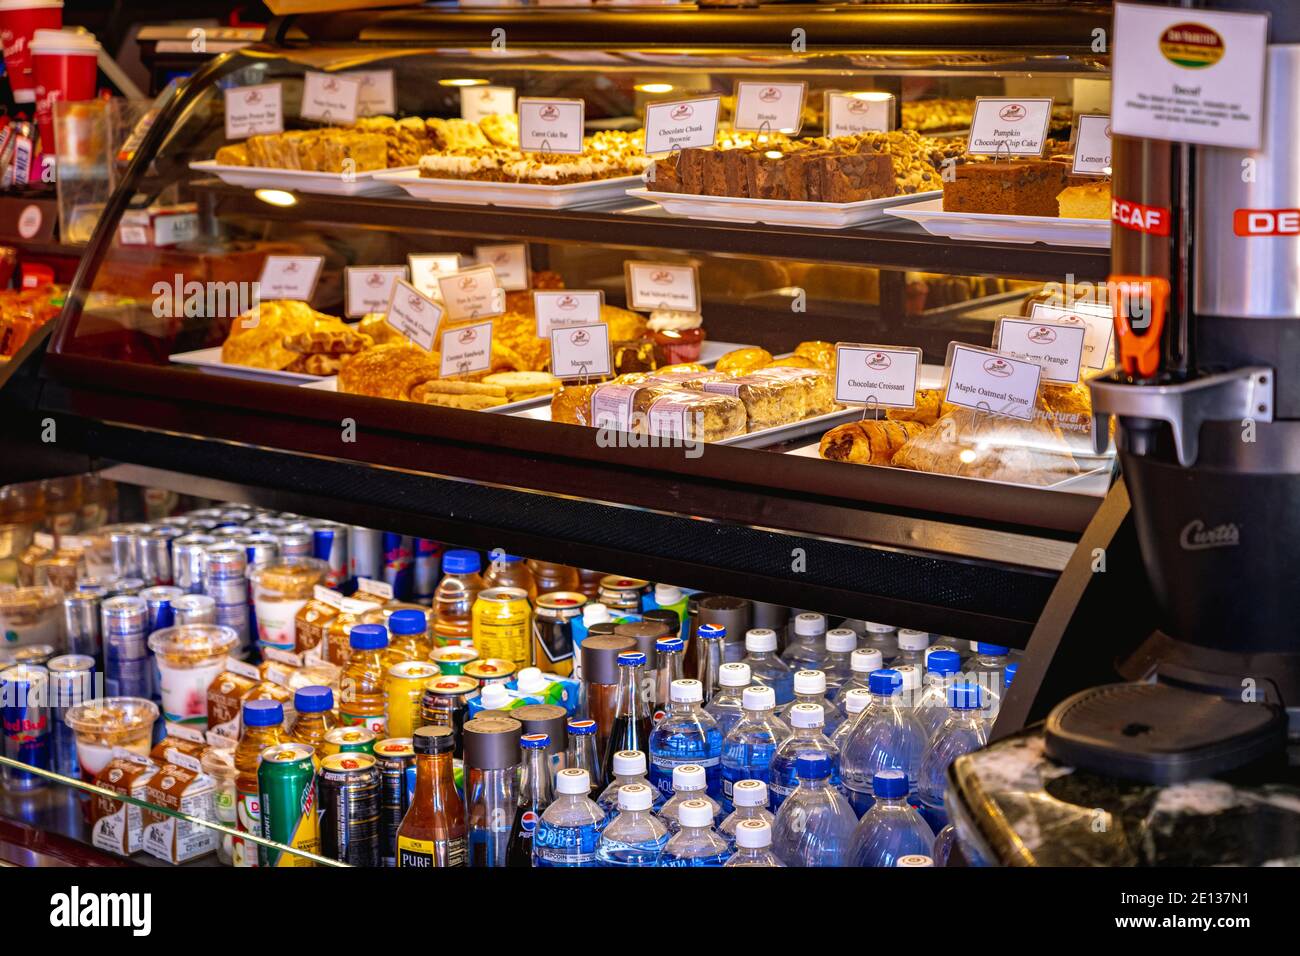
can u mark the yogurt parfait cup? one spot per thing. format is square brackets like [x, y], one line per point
[280, 588]
[189, 657]
[107, 722]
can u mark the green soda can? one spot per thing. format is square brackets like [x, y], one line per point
[453, 658]
[286, 781]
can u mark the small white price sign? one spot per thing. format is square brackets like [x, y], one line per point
[330, 97]
[466, 349]
[1095, 317]
[992, 382]
[1058, 349]
[289, 277]
[472, 294]
[369, 288]
[661, 285]
[1009, 127]
[551, 125]
[562, 308]
[1092, 146]
[509, 261]
[865, 112]
[681, 124]
[771, 107]
[477, 102]
[581, 351]
[876, 375]
[251, 110]
[413, 314]
[377, 96]
[427, 266]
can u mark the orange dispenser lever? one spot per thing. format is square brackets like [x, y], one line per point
[1148, 298]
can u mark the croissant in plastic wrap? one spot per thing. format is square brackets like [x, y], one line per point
[980, 445]
[871, 442]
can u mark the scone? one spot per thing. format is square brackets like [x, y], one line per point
[743, 361]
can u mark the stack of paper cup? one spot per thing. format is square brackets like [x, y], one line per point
[65, 64]
[19, 20]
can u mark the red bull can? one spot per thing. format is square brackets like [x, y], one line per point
[365, 553]
[72, 682]
[159, 609]
[330, 544]
[296, 544]
[187, 561]
[24, 709]
[398, 559]
[427, 570]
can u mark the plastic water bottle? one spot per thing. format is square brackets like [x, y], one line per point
[748, 749]
[944, 841]
[886, 737]
[988, 669]
[754, 845]
[911, 675]
[932, 706]
[947, 645]
[840, 645]
[807, 647]
[993, 705]
[883, 637]
[765, 667]
[961, 733]
[815, 824]
[695, 844]
[636, 837]
[911, 648]
[727, 705]
[629, 768]
[855, 702]
[863, 663]
[810, 688]
[687, 735]
[750, 800]
[688, 784]
[571, 825]
[891, 828]
[806, 737]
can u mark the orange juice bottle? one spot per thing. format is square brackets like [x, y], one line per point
[408, 635]
[361, 685]
[453, 601]
[315, 707]
[510, 571]
[263, 722]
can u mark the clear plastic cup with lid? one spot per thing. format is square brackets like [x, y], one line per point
[107, 722]
[189, 658]
[280, 588]
[219, 764]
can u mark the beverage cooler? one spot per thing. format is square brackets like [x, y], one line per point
[555, 409]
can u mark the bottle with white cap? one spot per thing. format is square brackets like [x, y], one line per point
[750, 745]
[688, 784]
[695, 843]
[570, 827]
[854, 702]
[883, 637]
[727, 703]
[911, 675]
[841, 642]
[914, 860]
[753, 842]
[911, 647]
[814, 826]
[886, 737]
[636, 837]
[861, 662]
[810, 688]
[806, 737]
[686, 735]
[492, 697]
[629, 768]
[891, 828]
[766, 666]
[932, 706]
[749, 797]
[807, 646]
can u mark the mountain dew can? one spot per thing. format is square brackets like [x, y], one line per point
[286, 779]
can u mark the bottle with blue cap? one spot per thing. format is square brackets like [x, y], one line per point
[806, 737]
[408, 635]
[854, 703]
[453, 600]
[535, 795]
[689, 783]
[753, 845]
[751, 744]
[886, 737]
[362, 702]
[687, 735]
[988, 667]
[841, 642]
[806, 649]
[314, 706]
[628, 768]
[727, 705]
[670, 652]
[766, 666]
[636, 837]
[631, 727]
[570, 827]
[942, 668]
[750, 799]
[891, 828]
[582, 751]
[863, 662]
[263, 726]
[810, 688]
[962, 732]
[815, 824]
[695, 843]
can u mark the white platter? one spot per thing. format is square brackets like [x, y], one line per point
[209, 360]
[988, 227]
[300, 180]
[777, 212]
[528, 195]
[331, 384]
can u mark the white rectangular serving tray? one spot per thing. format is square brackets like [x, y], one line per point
[527, 195]
[301, 180]
[990, 227]
[777, 212]
[209, 360]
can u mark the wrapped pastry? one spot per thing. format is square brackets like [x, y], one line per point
[767, 401]
[979, 445]
[623, 405]
[572, 403]
[388, 371]
[871, 442]
[744, 361]
[818, 387]
[693, 415]
[792, 361]
[688, 376]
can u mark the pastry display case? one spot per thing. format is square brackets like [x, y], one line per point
[337, 270]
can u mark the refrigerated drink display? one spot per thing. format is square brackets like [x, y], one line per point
[686, 736]
[636, 837]
[815, 824]
[807, 736]
[750, 745]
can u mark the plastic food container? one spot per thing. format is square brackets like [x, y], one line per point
[280, 588]
[107, 722]
[189, 658]
[32, 616]
[219, 763]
